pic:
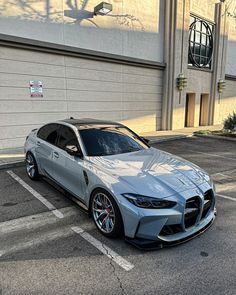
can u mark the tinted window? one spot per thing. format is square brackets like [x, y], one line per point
[110, 141]
[67, 137]
[49, 133]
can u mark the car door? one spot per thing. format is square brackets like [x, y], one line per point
[68, 171]
[45, 144]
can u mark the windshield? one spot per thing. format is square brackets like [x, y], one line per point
[110, 140]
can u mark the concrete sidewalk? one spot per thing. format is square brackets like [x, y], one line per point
[159, 136]
[15, 157]
[9, 157]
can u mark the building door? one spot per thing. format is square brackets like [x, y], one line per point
[189, 110]
[203, 117]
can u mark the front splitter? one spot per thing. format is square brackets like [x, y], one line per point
[148, 245]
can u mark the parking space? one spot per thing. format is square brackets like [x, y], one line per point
[46, 253]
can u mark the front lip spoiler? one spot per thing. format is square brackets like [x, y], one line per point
[148, 245]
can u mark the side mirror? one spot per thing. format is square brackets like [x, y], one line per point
[73, 151]
[145, 140]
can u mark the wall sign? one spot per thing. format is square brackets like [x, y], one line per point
[36, 89]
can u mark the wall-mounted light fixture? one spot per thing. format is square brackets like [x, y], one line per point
[181, 82]
[221, 85]
[102, 8]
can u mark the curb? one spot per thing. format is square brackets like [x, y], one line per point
[153, 141]
[215, 137]
[19, 163]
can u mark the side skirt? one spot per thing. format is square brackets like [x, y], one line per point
[66, 192]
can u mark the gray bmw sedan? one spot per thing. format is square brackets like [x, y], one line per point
[151, 197]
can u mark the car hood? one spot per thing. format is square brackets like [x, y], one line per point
[152, 172]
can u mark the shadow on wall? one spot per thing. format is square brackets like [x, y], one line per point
[80, 13]
[124, 31]
[53, 10]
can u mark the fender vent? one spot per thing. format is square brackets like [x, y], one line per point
[86, 177]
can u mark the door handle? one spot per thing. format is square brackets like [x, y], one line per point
[56, 155]
[38, 143]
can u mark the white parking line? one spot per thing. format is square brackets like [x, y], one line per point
[36, 221]
[213, 155]
[25, 242]
[226, 197]
[100, 246]
[103, 248]
[46, 203]
[221, 174]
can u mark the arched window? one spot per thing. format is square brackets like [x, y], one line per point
[200, 43]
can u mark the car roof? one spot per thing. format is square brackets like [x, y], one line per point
[88, 122]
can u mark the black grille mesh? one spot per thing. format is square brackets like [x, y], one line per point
[208, 199]
[192, 210]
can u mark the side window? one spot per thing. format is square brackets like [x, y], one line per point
[67, 137]
[49, 133]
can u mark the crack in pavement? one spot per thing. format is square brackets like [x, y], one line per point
[114, 270]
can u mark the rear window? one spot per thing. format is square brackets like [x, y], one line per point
[49, 133]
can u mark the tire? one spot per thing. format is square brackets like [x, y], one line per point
[31, 167]
[106, 214]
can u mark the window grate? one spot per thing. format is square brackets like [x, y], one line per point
[200, 43]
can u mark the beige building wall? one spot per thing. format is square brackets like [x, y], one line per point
[224, 103]
[203, 8]
[75, 87]
[204, 81]
[228, 102]
[198, 81]
[132, 29]
[144, 98]
[231, 42]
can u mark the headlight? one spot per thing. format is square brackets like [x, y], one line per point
[147, 202]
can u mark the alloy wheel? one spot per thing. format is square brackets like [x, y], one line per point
[30, 165]
[103, 213]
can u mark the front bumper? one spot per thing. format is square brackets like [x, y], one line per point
[176, 239]
[147, 228]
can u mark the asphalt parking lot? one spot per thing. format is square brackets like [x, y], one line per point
[59, 251]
